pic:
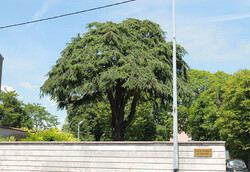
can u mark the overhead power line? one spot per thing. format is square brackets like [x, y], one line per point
[69, 14]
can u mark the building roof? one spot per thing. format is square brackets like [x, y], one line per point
[18, 133]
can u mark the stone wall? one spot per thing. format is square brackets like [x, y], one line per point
[109, 156]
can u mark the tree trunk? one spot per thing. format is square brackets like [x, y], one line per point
[118, 130]
[119, 122]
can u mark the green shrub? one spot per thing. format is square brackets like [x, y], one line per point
[8, 139]
[53, 134]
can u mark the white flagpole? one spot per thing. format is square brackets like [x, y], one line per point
[175, 117]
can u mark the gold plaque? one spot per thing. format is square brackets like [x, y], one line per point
[203, 152]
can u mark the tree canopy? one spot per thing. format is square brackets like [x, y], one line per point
[12, 111]
[150, 123]
[219, 109]
[206, 102]
[15, 113]
[234, 122]
[120, 61]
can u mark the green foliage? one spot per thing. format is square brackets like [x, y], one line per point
[119, 62]
[148, 124]
[143, 126]
[133, 53]
[219, 109]
[204, 106]
[164, 131]
[96, 121]
[40, 118]
[9, 139]
[52, 134]
[234, 122]
[163, 119]
[14, 113]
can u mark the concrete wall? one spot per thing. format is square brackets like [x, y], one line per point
[108, 156]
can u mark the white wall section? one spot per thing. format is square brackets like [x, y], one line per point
[109, 156]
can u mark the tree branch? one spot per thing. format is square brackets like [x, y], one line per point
[111, 98]
[128, 95]
[132, 110]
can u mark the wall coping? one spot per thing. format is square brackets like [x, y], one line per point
[113, 142]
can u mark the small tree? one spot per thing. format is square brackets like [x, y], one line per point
[119, 61]
[40, 118]
[12, 111]
[15, 113]
[234, 122]
[204, 107]
[219, 109]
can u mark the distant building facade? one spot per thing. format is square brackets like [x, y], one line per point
[182, 137]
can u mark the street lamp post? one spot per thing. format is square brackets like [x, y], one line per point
[175, 122]
[79, 129]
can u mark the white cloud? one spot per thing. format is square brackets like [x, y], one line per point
[62, 120]
[202, 41]
[141, 10]
[7, 88]
[213, 47]
[227, 18]
[47, 102]
[28, 86]
[47, 5]
[211, 44]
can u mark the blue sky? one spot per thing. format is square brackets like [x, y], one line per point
[215, 33]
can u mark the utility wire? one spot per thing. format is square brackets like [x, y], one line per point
[69, 14]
